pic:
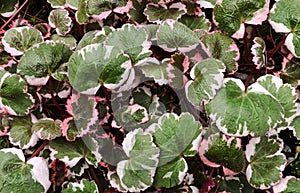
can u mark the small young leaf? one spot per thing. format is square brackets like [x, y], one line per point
[33, 175]
[290, 72]
[60, 20]
[47, 128]
[266, 163]
[40, 62]
[158, 13]
[135, 45]
[230, 15]
[87, 70]
[172, 36]
[258, 50]
[137, 172]
[81, 15]
[13, 94]
[223, 48]
[207, 77]
[83, 186]
[18, 40]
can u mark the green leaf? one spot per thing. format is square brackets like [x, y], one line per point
[136, 173]
[135, 45]
[288, 184]
[13, 94]
[81, 14]
[158, 13]
[68, 40]
[284, 18]
[171, 174]
[295, 124]
[73, 3]
[18, 176]
[290, 72]
[84, 186]
[57, 3]
[98, 64]
[266, 163]
[60, 20]
[223, 48]
[18, 40]
[175, 138]
[153, 68]
[136, 13]
[93, 37]
[197, 23]
[207, 78]
[284, 93]
[231, 15]
[20, 132]
[8, 8]
[47, 128]
[238, 112]
[218, 150]
[172, 36]
[72, 152]
[258, 50]
[40, 62]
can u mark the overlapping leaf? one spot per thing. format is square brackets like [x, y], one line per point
[288, 184]
[47, 128]
[174, 137]
[87, 70]
[223, 48]
[158, 13]
[231, 15]
[266, 163]
[13, 94]
[284, 18]
[136, 173]
[40, 62]
[33, 175]
[217, 151]
[135, 45]
[20, 132]
[172, 36]
[207, 78]
[83, 186]
[256, 110]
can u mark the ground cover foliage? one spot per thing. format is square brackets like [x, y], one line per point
[149, 96]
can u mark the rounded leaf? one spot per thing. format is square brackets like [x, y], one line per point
[98, 64]
[8, 8]
[40, 62]
[18, 40]
[136, 173]
[207, 78]
[172, 36]
[266, 163]
[60, 20]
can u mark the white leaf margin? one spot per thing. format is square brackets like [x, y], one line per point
[128, 145]
[66, 17]
[250, 151]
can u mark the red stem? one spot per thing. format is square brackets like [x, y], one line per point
[39, 150]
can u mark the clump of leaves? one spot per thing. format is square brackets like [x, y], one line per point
[149, 96]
